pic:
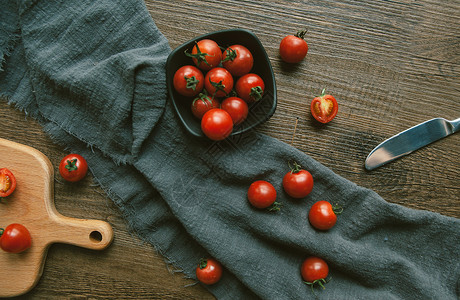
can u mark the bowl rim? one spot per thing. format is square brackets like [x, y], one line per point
[243, 129]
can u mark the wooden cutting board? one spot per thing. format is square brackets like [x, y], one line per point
[32, 204]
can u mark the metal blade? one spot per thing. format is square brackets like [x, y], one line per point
[407, 141]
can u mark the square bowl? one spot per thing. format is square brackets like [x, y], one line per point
[259, 111]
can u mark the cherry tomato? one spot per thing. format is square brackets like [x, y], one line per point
[324, 107]
[293, 48]
[218, 82]
[323, 215]
[15, 238]
[209, 271]
[261, 194]
[202, 104]
[298, 183]
[314, 269]
[7, 182]
[237, 109]
[188, 81]
[238, 60]
[217, 124]
[73, 167]
[206, 54]
[250, 87]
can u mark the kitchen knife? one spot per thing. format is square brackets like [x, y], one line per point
[410, 140]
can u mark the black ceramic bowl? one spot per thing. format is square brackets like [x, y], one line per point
[259, 111]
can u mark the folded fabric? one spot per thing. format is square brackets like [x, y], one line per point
[103, 95]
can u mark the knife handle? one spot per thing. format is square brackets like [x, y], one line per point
[455, 125]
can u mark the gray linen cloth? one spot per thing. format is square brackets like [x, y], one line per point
[92, 72]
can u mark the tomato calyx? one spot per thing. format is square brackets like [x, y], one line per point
[276, 206]
[2, 230]
[203, 97]
[296, 168]
[199, 56]
[203, 263]
[218, 85]
[337, 208]
[318, 282]
[191, 82]
[71, 165]
[230, 55]
[256, 93]
[301, 34]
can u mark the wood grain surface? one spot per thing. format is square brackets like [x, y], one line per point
[390, 65]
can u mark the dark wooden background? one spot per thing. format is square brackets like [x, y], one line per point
[390, 65]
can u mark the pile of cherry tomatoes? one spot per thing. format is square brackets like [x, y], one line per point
[220, 86]
[16, 238]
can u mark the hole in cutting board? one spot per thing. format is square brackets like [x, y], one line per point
[95, 236]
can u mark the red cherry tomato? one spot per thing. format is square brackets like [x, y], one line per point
[188, 81]
[298, 183]
[324, 108]
[73, 167]
[250, 87]
[217, 124]
[293, 48]
[237, 109]
[202, 104]
[218, 82]
[209, 271]
[206, 54]
[15, 238]
[7, 182]
[323, 215]
[238, 60]
[261, 194]
[314, 269]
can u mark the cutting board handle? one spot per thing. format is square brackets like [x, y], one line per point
[91, 234]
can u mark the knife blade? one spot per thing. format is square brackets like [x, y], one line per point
[410, 140]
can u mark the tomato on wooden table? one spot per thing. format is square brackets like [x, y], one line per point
[238, 60]
[73, 167]
[15, 238]
[323, 215]
[7, 182]
[206, 54]
[203, 103]
[217, 124]
[298, 183]
[237, 108]
[324, 108]
[262, 194]
[188, 81]
[218, 82]
[250, 87]
[293, 48]
[209, 271]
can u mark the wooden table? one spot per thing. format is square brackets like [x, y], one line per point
[390, 64]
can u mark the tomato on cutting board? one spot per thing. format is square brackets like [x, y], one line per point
[7, 182]
[324, 108]
[15, 238]
[73, 167]
[209, 271]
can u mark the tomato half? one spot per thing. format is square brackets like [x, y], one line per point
[324, 108]
[262, 194]
[250, 87]
[237, 109]
[15, 238]
[298, 183]
[209, 271]
[218, 82]
[323, 215]
[217, 124]
[73, 167]
[314, 269]
[7, 182]
[293, 48]
[202, 104]
[206, 54]
[188, 81]
[238, 60]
